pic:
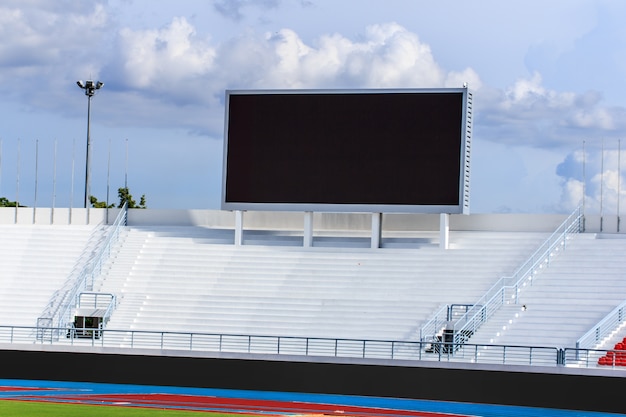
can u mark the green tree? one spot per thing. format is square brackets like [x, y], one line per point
[4, 202]
[99, 204]
[126, 197]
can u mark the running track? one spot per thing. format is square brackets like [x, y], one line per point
[261, 403]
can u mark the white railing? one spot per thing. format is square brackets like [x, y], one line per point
[604, 328]
[506, 290]
[435, 325]
[283, 345]
[58, 313]
[160, 341]
[98, 301]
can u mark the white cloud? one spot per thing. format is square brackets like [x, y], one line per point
[530, 96]
[594, 174]
[572, 195]
[176, 66]
[528, 112]
[165, 59]
[39, 35]
[388, 56]
[596, 118]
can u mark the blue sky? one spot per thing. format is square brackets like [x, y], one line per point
[546, 76]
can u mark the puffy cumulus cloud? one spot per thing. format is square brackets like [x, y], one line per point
[571, 195]
[528, 112]
[387, 56]
[528, 98]
[167, 61]
[163, 73]
[37, 33]
[174, 65]
[595, 175]
[455, 79]
[599, 118]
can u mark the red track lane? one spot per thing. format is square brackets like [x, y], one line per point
[17, 389]
[233, 405]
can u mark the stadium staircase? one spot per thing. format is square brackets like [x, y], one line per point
[193, 279]
[580, 287]
[36, 261]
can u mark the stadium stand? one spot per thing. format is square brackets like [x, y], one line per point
[182, 274]
[184, 279]
[193, 308]
[583, 285]
[37, 261]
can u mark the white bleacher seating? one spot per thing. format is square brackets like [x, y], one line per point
[36, 261]
[194, 279]
[581, 286]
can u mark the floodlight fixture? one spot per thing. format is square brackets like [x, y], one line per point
[90, 90]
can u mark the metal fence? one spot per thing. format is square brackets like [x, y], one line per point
[311, 346]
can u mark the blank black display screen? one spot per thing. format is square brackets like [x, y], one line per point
[366, 148]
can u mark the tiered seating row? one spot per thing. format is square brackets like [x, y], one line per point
[581, 285]
[179, 279]
[615, 357]
[36, 261]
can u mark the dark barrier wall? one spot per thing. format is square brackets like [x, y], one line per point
[592, 393]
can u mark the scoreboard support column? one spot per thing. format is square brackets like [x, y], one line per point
[377, 230]
[238, 227]
[308, 229]
[444, 230]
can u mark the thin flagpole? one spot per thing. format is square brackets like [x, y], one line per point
[584, 182]
[601, 186]
[54, 182]
[72, 182]
[17, 181]
[36, 179]
[126, 167]
[108, 180]
[619, 174]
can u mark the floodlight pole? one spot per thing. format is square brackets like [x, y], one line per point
[90, 90]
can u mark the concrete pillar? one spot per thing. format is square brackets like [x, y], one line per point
[308, 229]
[444, 230]
[238, 227]
[377, 230]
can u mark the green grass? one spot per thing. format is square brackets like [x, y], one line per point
[11, 408]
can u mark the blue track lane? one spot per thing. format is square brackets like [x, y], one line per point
[55, 388]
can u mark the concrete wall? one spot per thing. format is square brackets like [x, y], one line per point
[294, 221]
[55, 216]
[347, 221]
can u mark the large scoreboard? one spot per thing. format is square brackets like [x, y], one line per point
[369, 150]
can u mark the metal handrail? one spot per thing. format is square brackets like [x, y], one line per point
[287, 345]
[507, 288]
[109, 305]
[435, 324]
[60, 316]
[494, 297]
[316, 347]
[603, 328]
